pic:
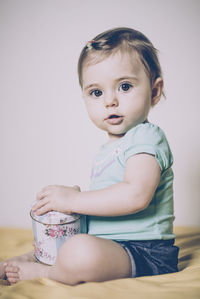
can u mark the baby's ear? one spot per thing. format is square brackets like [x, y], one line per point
[157, 89]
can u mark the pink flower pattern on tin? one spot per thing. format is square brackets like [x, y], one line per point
[57, 231]
[40, 252]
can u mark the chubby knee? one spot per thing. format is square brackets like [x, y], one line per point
[78, 253]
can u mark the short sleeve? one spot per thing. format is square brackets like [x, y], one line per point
[147, 138]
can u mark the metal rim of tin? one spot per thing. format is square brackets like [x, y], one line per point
[64, 223]
[38, 261]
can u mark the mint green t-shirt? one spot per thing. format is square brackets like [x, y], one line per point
[156, 221]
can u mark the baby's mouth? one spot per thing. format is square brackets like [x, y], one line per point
[114, 119]
[113, 116]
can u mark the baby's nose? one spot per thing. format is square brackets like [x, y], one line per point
[111, 100]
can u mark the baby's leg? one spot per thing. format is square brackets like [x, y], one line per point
[27, 257]
[82, 258]
[87, 258]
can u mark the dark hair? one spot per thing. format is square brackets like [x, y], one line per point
[124, 39]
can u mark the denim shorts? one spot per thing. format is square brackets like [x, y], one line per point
[152, 257]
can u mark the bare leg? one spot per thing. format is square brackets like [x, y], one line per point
[82, 258]
[27, 257]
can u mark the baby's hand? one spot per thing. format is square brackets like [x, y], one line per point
[55, 198]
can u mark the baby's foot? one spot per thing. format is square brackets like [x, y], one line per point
[25, 257]
[16, 271]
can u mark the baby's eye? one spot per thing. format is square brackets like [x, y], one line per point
[96, 93]
[125, 86]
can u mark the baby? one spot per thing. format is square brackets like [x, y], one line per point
[129, 206]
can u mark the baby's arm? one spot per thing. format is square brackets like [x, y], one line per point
[133, 194]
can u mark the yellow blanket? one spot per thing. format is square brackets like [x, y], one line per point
[184, 285]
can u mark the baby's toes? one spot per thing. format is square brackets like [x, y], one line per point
[12, 277]
[13, 280]
[12, 273]
[11, 268]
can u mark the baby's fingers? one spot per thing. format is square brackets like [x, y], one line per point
[40, 203]
[43, 209]
[42, 194]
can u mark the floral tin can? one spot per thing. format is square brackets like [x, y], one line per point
[51, 230]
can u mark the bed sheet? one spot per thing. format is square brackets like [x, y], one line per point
[184, 285]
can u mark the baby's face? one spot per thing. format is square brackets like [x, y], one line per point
[117, 93]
